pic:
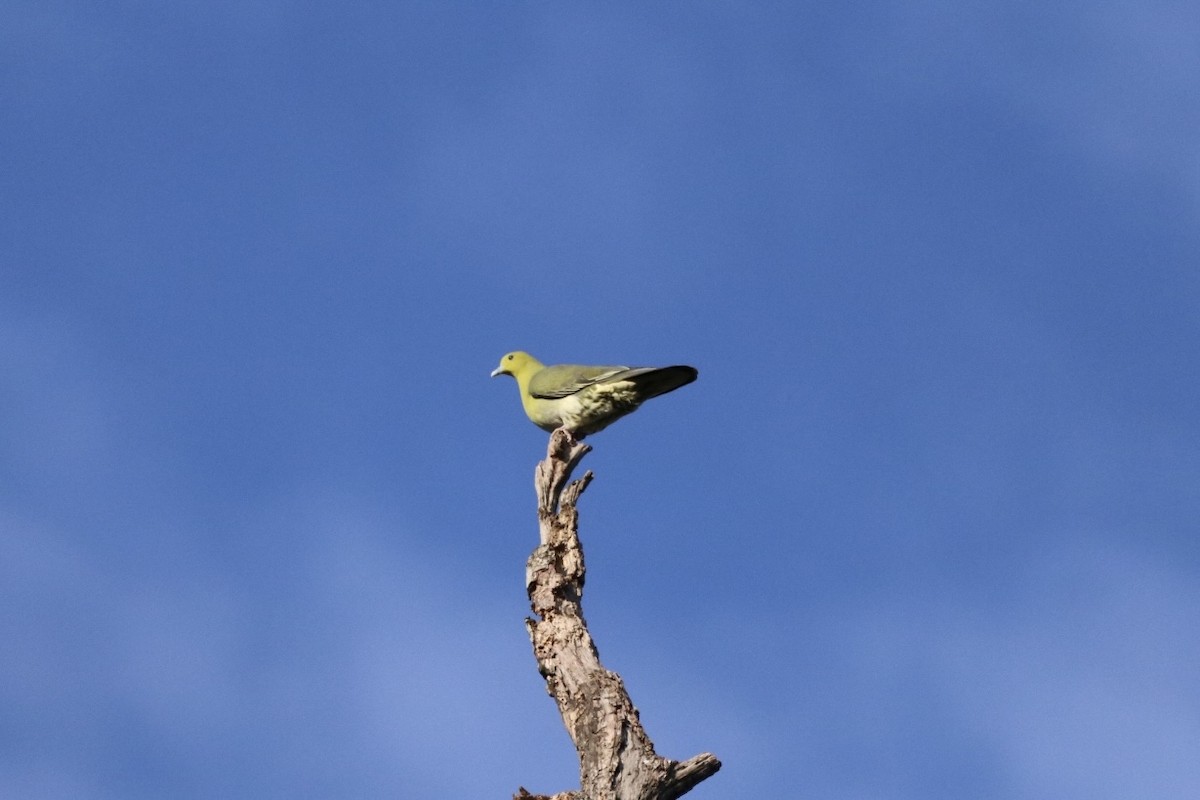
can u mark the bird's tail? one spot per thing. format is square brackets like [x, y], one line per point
[653, 381]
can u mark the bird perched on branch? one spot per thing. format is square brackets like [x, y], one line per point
[584, 399]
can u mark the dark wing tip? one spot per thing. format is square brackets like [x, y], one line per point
[660, 380]
[692, 371]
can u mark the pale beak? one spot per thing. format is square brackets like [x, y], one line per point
[497, 371]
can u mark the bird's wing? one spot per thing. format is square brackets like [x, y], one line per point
[564, 380]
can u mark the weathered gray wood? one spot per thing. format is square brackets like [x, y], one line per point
[616, 758]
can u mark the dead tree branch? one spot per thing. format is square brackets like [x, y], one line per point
[616, 758]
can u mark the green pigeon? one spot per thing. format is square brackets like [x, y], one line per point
[583, 399]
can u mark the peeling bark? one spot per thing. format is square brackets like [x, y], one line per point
[616, 758]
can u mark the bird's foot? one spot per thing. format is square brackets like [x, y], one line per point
[571, 438]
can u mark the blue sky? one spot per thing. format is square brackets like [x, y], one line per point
[925, 527]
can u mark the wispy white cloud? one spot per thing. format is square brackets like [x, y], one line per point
[1085, 685]
[1115, 79]
[1077, 683]
[365, 666]
[322, 640]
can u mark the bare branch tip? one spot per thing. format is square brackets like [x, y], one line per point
[686, 775]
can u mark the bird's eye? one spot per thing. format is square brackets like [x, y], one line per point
[510, 357]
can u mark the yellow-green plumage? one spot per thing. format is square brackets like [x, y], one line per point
[584, 399]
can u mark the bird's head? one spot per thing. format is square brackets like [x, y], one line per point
[517, 364]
